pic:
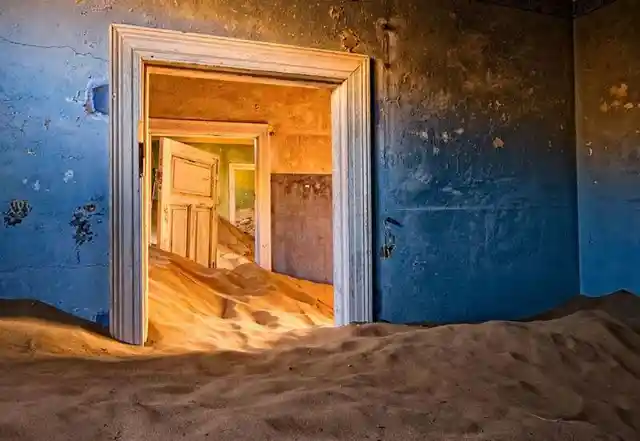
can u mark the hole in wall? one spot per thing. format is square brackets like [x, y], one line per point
[97, 97]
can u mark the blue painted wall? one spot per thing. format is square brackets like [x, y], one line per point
[479, 168]
[474, 162]
[608, 147]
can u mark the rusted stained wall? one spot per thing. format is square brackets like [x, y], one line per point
[301, 226]
[608, 147]
[474, 160]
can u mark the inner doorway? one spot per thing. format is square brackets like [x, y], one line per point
[242, 196]
[185, 201]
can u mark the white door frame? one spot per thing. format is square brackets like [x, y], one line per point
[220, 132]
[233, 167]
[132, 50]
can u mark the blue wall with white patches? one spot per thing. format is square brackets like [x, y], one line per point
[608, 147]
[474, 156]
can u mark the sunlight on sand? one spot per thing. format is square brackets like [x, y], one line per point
[244, 354]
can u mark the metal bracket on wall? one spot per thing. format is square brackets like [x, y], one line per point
[141, 159]
[558, 8]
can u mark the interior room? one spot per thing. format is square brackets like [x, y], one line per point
[204, 200]
[340, 220]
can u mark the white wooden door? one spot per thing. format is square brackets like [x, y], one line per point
[188, 202]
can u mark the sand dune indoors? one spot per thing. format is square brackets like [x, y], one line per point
[243, 354]
[196, 308]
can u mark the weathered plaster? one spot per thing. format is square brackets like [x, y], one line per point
[478, 232]
[300, 117]
[301, 226]
[608, 147]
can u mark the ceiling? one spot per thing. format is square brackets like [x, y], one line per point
[558, 8]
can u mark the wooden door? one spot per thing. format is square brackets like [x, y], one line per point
[188, 201]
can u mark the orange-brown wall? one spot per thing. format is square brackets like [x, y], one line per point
[300, 116]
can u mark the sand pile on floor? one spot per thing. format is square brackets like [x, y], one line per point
[234, 239]
[191, 308]
[197, 308]
[235, 247]
[574, 377]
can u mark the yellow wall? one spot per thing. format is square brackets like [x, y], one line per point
[229, 154]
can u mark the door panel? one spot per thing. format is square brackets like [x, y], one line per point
[188, 201]
[201, 228]
[179, 229]
[192, 178]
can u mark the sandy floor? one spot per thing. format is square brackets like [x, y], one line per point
[248, 356]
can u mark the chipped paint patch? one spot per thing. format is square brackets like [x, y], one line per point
[18, 210]
[621, 91]
[423, 134]
[336, 12]
[36, 185]
[498, 143]
[68, 175]
[451, 190]
[349, 40]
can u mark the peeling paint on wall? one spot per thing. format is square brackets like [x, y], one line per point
[389, 244]
[82, 220]
[68, 176]
[608, 86]
[18, 210]
[349, 40]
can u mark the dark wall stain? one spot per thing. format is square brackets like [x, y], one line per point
[301, 225]
[82, 221]
[608, 147]
[389, 243]
[17, 211]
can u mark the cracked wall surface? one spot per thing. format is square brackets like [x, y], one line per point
[473, 161]
[608, 147]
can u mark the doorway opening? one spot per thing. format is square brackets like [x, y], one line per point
[230, 142]
[242, 196]
[135, 52]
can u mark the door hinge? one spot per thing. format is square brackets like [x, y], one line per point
[157, 183]
[141, 158]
